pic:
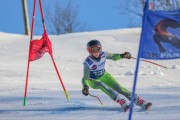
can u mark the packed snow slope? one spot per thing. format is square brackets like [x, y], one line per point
[45, 97]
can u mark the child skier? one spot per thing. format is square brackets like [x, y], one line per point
[96, 77]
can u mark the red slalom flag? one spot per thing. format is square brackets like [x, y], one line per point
[39, 47]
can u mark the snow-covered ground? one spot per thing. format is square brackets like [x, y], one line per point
[45, 97]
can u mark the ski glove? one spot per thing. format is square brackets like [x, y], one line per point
[85, 90]
[126, 55]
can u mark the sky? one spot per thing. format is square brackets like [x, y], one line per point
[97, 14]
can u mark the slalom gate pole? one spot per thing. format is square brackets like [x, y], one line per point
[138, 61]
[32, 30]
[65, 92]
[42, 16]
[152, 63]
[97, 98]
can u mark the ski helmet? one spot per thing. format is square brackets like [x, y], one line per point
[93, 45]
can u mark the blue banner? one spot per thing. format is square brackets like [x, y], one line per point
[160, 37]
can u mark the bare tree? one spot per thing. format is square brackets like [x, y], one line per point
[134, 8]
[26, 18]
[64, 19]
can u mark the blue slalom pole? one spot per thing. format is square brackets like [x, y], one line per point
[134, 89]
[138, 59]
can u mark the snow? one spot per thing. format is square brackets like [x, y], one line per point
[45, 97]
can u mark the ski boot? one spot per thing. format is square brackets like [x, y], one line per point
[148, 106]
[123, 103]
[142, 103]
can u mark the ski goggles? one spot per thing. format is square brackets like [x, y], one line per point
[94, 49]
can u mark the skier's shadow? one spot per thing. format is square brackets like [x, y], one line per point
[66, 109]
[89, 108]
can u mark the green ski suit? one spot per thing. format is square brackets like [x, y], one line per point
[104, 82]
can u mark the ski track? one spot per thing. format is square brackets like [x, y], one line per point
[166, 106]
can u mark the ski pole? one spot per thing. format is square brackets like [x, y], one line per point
[152, 63]
[96, 97]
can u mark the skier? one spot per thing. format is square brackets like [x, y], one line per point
[97, 77]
